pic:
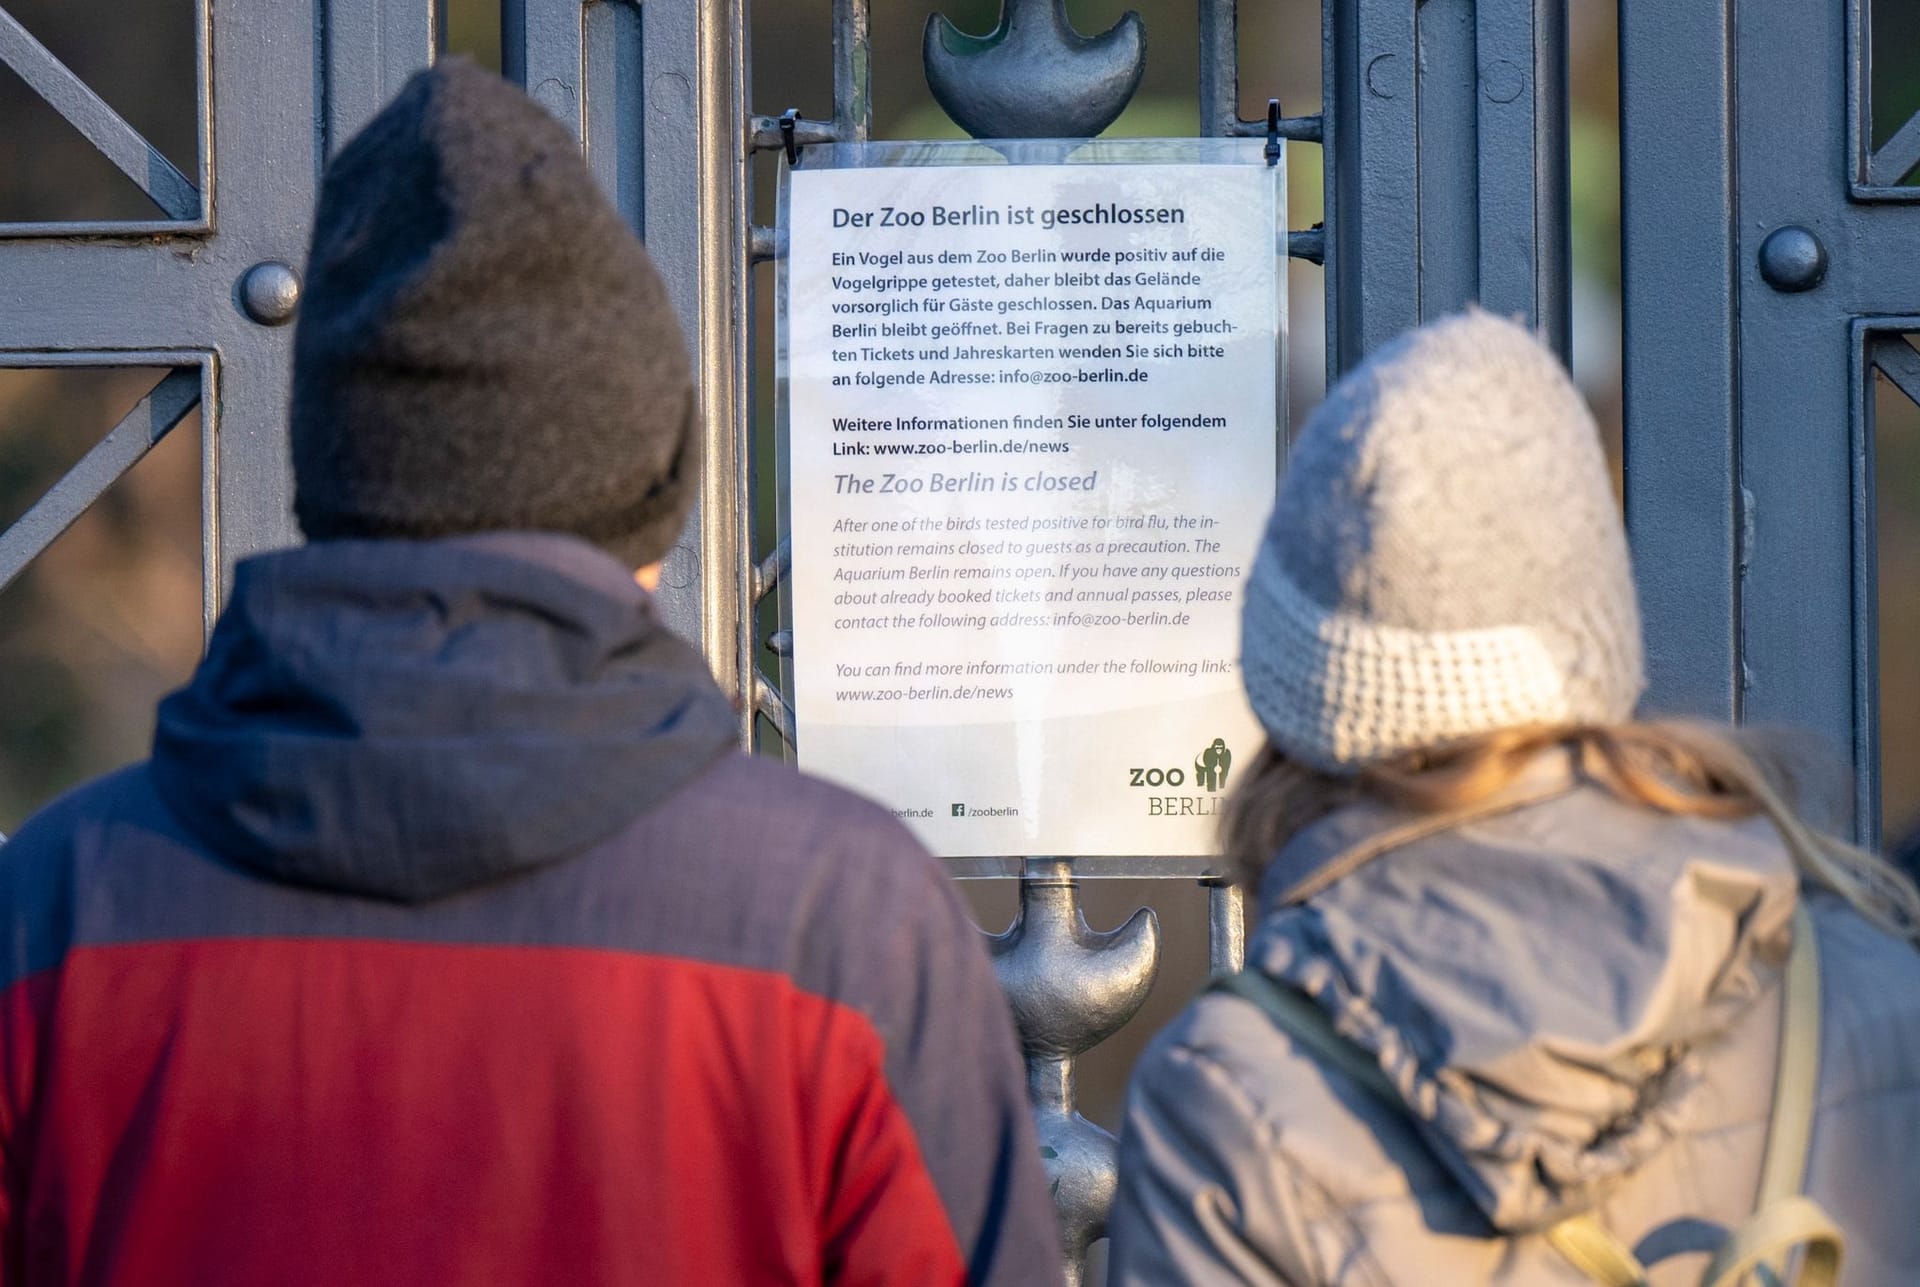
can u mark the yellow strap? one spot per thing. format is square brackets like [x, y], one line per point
[1587, 1245]
[1796, 1078]
[1771, 1235]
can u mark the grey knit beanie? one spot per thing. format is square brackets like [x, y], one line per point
[483, 343]
[1445, 558]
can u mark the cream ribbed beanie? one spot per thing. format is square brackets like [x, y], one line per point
[1446, 557]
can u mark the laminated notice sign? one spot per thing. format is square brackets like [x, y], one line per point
[1031, 414]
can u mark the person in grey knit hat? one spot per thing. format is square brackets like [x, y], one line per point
[483, 344]
[1515, 1004]
[1446, 557]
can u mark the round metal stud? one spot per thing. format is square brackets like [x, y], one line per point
[1792, 259]
[270, 293]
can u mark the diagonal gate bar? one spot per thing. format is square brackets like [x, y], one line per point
[1897, 156]
[1899, 362]
[163, 408]
[105, 128]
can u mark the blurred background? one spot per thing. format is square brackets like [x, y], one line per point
[109, 619]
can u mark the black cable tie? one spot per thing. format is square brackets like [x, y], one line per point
[789, 120]
[1274, 147]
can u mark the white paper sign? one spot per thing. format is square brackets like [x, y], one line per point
[1032, 425]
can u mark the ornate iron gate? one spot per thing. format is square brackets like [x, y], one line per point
[1769, 272]
[1445, 135]
[205, 286]
[1764, 225]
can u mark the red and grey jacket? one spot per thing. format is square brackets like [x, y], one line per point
[443, 941]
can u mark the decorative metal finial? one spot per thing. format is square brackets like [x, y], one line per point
[1070, 988]
[1034, 76]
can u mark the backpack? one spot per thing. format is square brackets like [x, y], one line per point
[1783, 1219]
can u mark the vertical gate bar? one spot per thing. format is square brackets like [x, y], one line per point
[1219, 92]
[269, 87]
[1794, 467]
[619, 74]
[852, 71]
[213, 551]
[667, 104]
[1332, 130]
[1552, 160]
[371, 47]
[1523, 250]
[1866, 582]
[1507, 251]
[1226, 926]
[1219, 67]
[1451, 169]
[1678, 347]
[543, 50]
[725, 290]
[1373, 193]
[203, 103]
[613, 106]
[212, 568]
[1859, 92]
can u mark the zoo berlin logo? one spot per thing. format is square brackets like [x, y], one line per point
[1210, 770]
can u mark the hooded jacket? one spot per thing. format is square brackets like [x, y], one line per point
[1578, 1003]
[445, 939]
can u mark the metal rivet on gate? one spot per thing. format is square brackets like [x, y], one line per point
[682, 567]
[1792, 259]
[270, 293]
[1383, 76]
[1502, 81]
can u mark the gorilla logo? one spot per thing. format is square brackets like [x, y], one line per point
[1210, 768]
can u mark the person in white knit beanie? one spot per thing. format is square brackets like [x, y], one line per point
[1446, 557]
[1513, 1006]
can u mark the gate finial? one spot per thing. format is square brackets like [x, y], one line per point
[1071, 987]
[1033, 75]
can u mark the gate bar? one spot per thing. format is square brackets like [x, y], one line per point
[725, 322]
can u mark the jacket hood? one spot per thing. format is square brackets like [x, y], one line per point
[407, 719]
[1536, 984]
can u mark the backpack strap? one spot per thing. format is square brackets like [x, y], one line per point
[1769, 1236]
[1782, 1221]
[1296, 1015]
[1597, 1252]
[1796, 1078]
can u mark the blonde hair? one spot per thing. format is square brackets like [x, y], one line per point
[1681, 769]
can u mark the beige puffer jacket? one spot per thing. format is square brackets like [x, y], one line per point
[1579, 1001]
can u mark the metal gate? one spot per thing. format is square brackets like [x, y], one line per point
[1762, 262]
[1770, 268]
